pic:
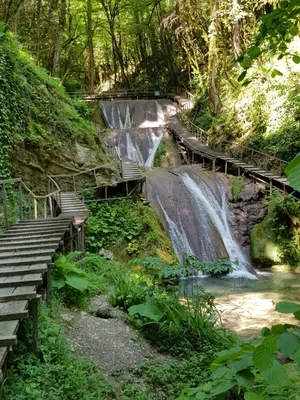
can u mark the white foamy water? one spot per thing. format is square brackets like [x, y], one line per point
[216, 213]
[178, 237]
[135, 143]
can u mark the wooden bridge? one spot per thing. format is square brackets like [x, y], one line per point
[46, 224]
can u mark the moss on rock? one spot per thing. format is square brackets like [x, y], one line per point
[263, 249]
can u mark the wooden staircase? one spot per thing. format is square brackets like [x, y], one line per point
[130, 170]
[26, 253]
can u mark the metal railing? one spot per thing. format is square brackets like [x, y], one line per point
[13, 200]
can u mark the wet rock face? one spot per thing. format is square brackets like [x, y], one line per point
[246, 212]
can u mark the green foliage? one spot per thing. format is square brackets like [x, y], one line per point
[256, 370]
[283, 218]
[67, 273]
[160, 154]
[277, 29]
[237, 186]
[34, 107]
[214, 268]
[293, 173]
[129, 225]
[56, 373]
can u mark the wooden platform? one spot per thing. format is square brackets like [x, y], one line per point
[195, 146]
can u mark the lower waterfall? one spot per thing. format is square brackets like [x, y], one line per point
[193, 204]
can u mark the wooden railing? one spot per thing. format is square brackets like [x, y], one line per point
[237, 150]
[32, 201]
[91, 173]
[149, 93]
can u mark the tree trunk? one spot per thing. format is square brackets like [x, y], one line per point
[212, 59]
[165, 46]
[57, 45]
[236, 30]
[90, 47]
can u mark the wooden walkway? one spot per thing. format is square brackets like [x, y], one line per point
[197, 147]
[26, 255]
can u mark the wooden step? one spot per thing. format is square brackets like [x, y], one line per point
[44, 238]
[17, 293]
[13, 310]
[21, 261]
[35, 245]
[43, 220]
[8, 340]
[23, 270]
[40, 226]
[34, 233]
[8, 330]
[26, 253]
[21, 280]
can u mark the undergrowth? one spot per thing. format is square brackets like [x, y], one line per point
[56, 373]
[128, 228]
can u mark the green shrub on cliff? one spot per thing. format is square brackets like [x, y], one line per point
[34, 108]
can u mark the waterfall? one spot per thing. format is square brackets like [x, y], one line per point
[178, 237]
[217, 213]
[135, 128]
[193, 204]
[155, 144]
[133, 151]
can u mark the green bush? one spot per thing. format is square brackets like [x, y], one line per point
[267, 368]
[128, 228]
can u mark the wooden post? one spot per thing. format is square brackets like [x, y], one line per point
[35, 322]
[71, 237]
[60, 204]
[45, 207]
[239, 171]
[203, 162]
[49, 284]
[193, 157]
[214, 165]
[29, 206]
[35, 205]
[20, 200]
[51, 207]
[126, 188]
[271, 186]
[105, 192]
[5, 207]
[74, 184]
[226, 166]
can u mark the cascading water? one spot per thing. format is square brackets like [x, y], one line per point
[193, 204]
[136, 128]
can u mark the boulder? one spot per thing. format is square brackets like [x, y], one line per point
[102, 309]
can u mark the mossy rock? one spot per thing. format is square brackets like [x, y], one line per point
[263, 248]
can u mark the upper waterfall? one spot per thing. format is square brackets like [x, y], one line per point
[137, 128]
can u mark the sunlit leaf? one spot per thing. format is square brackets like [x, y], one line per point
[287, 307]
[263, 358]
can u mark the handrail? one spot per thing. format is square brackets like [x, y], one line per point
[204, 137]
[51, 195]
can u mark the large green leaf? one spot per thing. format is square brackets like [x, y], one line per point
[222, 387]
[150, 311]
[293, 172]
[288, 344]
[76, 281]
[58, 283]
[286, 307]
[263, 358]
[251, 396]
[245, 377]
[276, 375]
